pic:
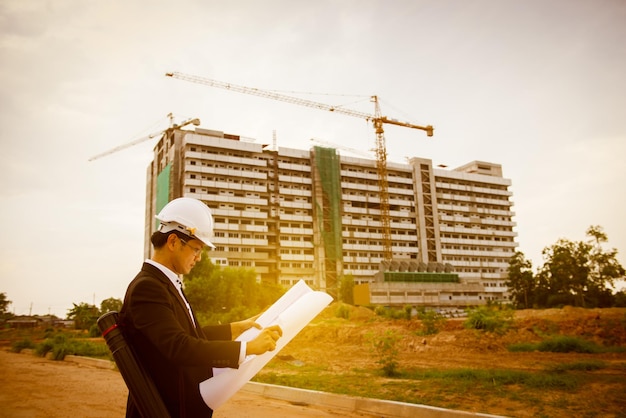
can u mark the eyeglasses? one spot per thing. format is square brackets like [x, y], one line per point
[196, 251]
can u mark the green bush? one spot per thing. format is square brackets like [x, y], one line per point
[59, 351]
[18, 346]
[393, 313]
[408, 309]
[585, 366]
[386, 349]
[62, 345]
[489, 318]
[432, 321]
[94, 331]
[44, 347]
[343, 311]
[558, 344]
[565, 344]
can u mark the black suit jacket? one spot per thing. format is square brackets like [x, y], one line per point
[177, 354]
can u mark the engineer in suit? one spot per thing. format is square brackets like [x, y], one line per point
[160, 326]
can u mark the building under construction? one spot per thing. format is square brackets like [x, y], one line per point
[315, 215]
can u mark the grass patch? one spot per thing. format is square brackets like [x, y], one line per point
[61, 345]
[559, 344]
[585, 366]
[426, 386]
[496, 378]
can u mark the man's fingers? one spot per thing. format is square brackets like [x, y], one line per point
[277, 329]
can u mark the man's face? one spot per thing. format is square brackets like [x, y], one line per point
[188, 253]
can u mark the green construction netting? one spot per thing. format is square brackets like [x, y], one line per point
[396, 276]
[328, 166]
[163, 188]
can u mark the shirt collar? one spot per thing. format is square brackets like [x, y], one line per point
[169, 273]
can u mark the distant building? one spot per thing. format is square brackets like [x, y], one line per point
[293, 214]
[25, 321]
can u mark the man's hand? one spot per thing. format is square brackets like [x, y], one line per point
[237, 328]
[265, 341]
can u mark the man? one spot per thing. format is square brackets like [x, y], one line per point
[160, 326]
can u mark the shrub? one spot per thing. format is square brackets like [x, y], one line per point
[565, 344]
[585, 366]
[489, 318]
[343, 311]
[379, 310]
[94, 331]
[18, 346]
[386, 349]
[44, 348]
[558, 344]
[392, 313]
[432, 321]
[408, 310]
[62, 345]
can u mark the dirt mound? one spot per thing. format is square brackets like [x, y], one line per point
[342, 324]
[350, 340]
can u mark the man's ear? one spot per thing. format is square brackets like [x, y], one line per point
[171, 240]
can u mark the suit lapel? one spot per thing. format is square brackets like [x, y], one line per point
[173, 291]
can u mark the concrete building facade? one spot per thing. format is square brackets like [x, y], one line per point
[314, 215]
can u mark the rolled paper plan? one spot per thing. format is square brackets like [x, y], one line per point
[292, 312]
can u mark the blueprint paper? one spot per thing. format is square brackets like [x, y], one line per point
[292, 312]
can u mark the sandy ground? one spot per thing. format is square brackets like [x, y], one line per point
[33, 387]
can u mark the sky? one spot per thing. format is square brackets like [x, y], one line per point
[535, 86]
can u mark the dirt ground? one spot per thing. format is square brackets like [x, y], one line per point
[31, 386]
[456, 348]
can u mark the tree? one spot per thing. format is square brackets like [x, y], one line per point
[226, 295]
[521, 281]
[4, 306]
[84, 315]
[4, 303]
[579, 273]
[110, 305]
[605, 268]
[566, 271]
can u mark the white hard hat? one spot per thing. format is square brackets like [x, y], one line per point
[189, 216]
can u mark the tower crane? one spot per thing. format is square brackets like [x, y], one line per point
[194, 121]
[377, 120]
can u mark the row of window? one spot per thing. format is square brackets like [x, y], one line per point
[287, 265]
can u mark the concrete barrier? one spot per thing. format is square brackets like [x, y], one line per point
[383, 408]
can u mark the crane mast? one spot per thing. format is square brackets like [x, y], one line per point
[383, 184]
[377, 119]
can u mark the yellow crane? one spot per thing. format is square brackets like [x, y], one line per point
[377, 120]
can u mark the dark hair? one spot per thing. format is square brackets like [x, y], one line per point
[158, 239]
